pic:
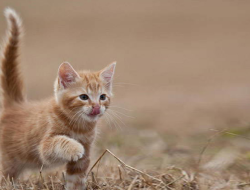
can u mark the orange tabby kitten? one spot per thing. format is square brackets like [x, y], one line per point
[56, 131]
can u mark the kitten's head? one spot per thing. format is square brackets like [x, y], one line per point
[84, 94]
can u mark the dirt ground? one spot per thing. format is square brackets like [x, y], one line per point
[183, 72]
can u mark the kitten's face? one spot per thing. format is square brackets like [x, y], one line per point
[84, 95]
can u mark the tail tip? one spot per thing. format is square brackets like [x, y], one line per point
[8, 11]
[11, 14]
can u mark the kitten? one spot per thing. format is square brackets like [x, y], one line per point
[56, 131]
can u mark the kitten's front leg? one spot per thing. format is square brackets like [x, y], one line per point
[60, 148]
[76, 178]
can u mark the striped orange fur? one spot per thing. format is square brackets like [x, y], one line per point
[57, 131]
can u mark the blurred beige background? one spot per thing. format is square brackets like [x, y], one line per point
[181, 64]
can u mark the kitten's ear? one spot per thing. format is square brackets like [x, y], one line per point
[107, 75]
[66, 75]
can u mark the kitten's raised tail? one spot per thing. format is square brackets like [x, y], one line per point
[11, 81]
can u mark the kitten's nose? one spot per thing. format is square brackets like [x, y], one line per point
[95, 110]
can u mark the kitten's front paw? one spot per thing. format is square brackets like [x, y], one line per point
[75, 152]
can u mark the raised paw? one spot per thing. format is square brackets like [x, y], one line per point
[77, 155]
[61, 149]
[74, 152]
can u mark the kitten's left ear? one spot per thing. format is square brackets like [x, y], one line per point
[107, 75]
[67, 75]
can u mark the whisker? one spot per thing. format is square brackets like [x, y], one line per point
[76, 117]
[126, 84]
[116, 124]
[111, 122]
[119, 118]
[107, 119]
[120, 108]
[122, 113]
[73, 118]
[79, 117]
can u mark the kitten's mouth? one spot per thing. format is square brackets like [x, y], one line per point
[95, 111]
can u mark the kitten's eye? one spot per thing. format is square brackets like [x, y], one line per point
[84, 97]
[103, 97]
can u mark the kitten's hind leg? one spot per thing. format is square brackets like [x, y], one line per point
[60, 148]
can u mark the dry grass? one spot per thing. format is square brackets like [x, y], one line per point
[221, 161]
[183, 66]
[123, 176]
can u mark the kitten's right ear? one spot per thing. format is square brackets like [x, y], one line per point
[66, 75]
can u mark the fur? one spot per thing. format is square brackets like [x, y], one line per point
[57, 131]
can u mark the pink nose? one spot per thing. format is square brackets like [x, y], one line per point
[95, 110]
